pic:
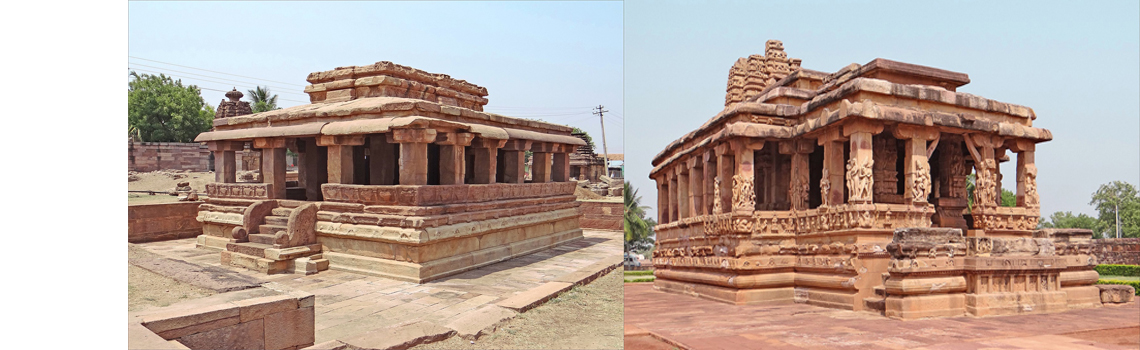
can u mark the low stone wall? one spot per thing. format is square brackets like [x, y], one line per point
[151, 156]
[161, 222]
[270, 322]
[1124, 251]
[602, 215]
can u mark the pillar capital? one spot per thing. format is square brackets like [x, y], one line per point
[915, 132]
[340, 140]
[695, 162]
[263, 143]
[862, 126]
[1021, 145]
[830, 135]
[480, 142]
[223, 146]
[454, 138]
[412, 136]
[742, 144]
[543, 147]
[797, 146]
[517, 145]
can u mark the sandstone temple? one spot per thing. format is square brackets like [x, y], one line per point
[400, 174]
[848, 190]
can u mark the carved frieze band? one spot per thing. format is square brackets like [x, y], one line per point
[441, 194]
[239, 190]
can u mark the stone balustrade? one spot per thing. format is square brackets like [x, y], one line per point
[239, 190]
[1006, 219]
[415, 195]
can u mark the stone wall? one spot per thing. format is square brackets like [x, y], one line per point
[151, 156]
[602, 215]
[160, 222]
[1125, 251]
[269, 322]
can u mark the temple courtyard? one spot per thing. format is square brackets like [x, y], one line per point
[360, 311]
[659, 320]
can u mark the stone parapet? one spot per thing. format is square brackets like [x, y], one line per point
[239, 190]
[1125, 251]
[602, 215]
[242, 320]
[414, 195]
[160, 222]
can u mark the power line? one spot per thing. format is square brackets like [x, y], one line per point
[243, 76]
[211, 81]
[227, 79]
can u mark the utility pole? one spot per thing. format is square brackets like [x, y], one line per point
[606, 156]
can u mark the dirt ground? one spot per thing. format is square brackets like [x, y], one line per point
[1129, 336]
[586, 317]
[147, 290]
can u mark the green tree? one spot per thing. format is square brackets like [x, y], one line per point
[1008, 199]
[589, 140]
[262, 99]
[160, 109]
[1067, 220]
[637, 228]
[1118, 206]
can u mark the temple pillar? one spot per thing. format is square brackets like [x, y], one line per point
[560, 164]
[981, 148]
[413, 154]
[725, 168]
[225, 160]
[860, 174]
[486, 152]
[916, 163]
[540, 171]
[383, 160]
[999, 154]
[312, 168]
[452, 167]
[799, 182]
[683, 210]
[672, 194]
[696, 185]
[272, 164]
[662, 199]
[709, 159]
[514, 165]
[831, 183]
[1026, 174]
[744, 180]
[340, 162]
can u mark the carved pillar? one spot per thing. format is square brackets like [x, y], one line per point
[662, 198]
[831, 183]
[885, 170]
[950, 200]
[451, 156]
[272, 165]
[916, 188]
[725, 169]
[312, 167]
[696, 185]
[486, 156]
[225, 160]
[672, 194]
[800, 172]
[383, 160]
[513, 161]
[709, 159]
[560, 164]
[860, 176]
[981, 148]
[744, 181]
[1026, 174]
[541, 162]
[413, 154]
[683, 208]
[340, 161]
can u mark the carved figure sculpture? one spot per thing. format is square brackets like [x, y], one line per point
[860, 179]
[824, 187]
[921, 184]
[743, 192]
[1032, 200]
[986, 188]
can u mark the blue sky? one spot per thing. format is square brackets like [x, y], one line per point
[542, 60]
[1076, 64]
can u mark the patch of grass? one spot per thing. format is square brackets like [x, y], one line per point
[1120, 278]
[640, 280]
[639, 273]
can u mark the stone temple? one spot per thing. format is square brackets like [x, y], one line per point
[400, 174]
[848, 190]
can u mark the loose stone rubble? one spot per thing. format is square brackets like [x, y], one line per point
[400, 175]
[848, 190]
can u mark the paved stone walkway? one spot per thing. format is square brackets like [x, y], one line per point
[702, 324]
[351, 306]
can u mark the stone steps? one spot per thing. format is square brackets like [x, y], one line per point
[249, 248]
[277, 220]
[289, 204]
[261, 238]
[875, 303]
[282, 211]
[267, 229]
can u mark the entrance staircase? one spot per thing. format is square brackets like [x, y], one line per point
[262, 251]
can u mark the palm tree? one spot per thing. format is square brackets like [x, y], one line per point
[637, 229]
[262, 100]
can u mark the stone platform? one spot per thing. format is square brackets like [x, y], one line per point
[357, 309]
[691, 323]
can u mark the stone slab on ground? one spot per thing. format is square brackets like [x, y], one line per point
[214, 278]
[400, 337]
[531, 298]
[1116, 293]
[703, 324]
[475, 323]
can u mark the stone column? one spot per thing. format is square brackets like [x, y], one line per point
[999, 154]
[672, 194]
[486, 153]
[272, 164]
[451, 156]
[1026, 174]
[799, 179]
[744, 180]
[696, 185]
[981, 148]
[709, 159]
[312, 168]
[831, 183]
[860, 172]
[413, 154]
[725, 169]
[383, 160]
[513, 160]
[560, 166]
[662, 198]
[682, 190]
[916, 165]
[340, 163]
[540, 171]
[225, 160]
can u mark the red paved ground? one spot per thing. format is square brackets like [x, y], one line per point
[703, 324]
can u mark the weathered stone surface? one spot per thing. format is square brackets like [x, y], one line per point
[1116, 293]
[248, 335]
[401, 337]
[218, 279]
[290, 328]
[480, 321]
